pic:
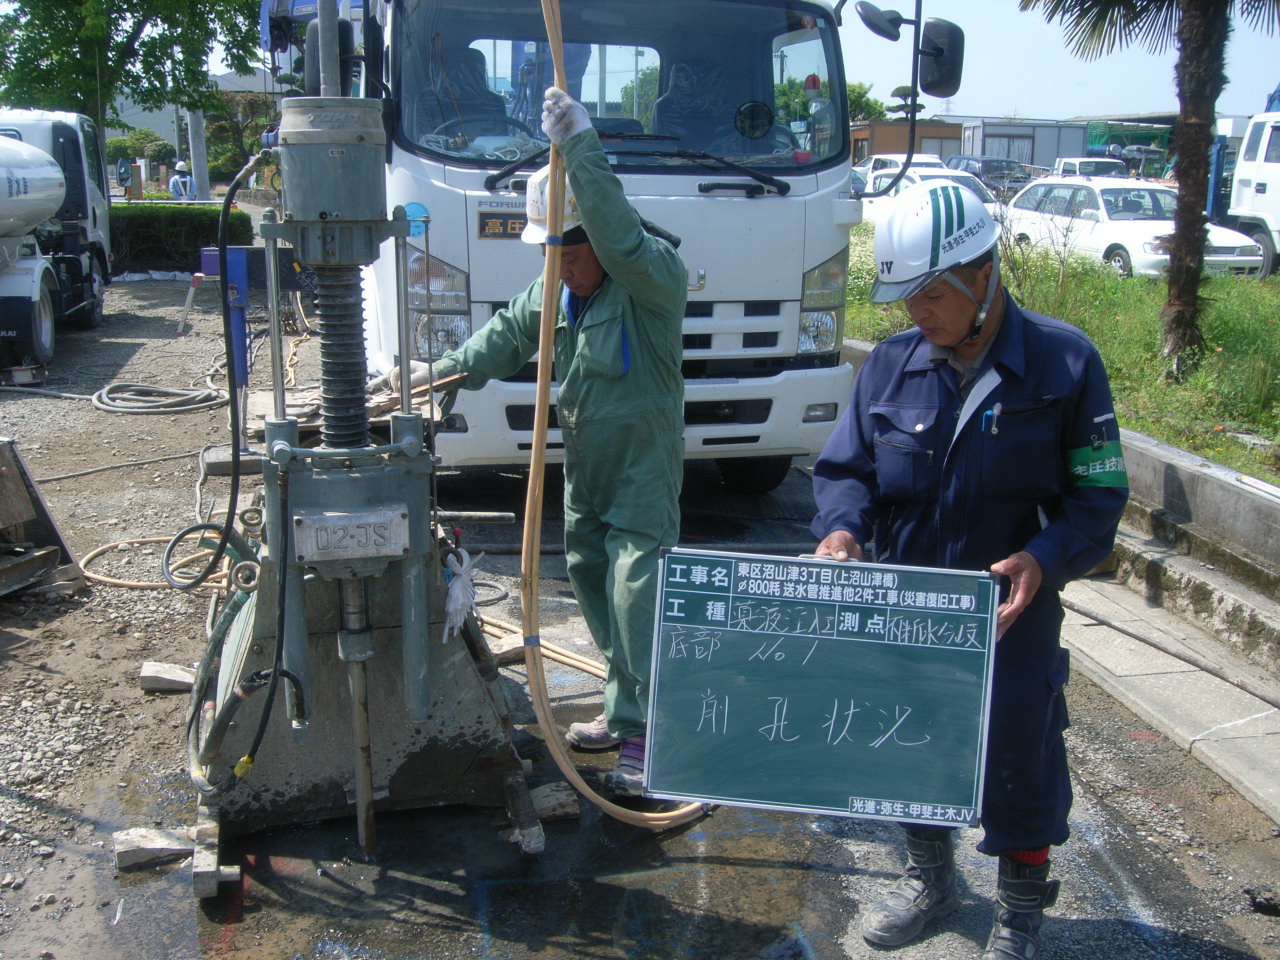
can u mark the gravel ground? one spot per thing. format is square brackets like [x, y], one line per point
[82, 749]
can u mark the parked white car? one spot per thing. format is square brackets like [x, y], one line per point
[1126, 224]
[876, 209]
[870, 166]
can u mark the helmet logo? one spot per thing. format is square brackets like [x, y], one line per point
[948, 219]
[886, 267]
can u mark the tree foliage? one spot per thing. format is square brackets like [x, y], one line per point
[863, 106]
[904, 106]
[1200, 30]
[84, 55]
[160, 151]
[639, 95]
[233, 130]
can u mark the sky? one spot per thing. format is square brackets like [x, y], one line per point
[1018, 65]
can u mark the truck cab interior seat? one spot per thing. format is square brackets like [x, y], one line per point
[693, 106]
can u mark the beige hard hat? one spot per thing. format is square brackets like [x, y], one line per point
[180, 166]
[535, 207]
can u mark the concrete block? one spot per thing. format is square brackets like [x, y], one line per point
[508, 650]
[147, 846]
[555, 801]
[165, 677]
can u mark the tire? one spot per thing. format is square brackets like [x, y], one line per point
[39, 349]
[1262, 237]
[753, 475]
[92, 318]
[1119, 258]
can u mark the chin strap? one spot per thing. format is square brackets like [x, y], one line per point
[984, 307]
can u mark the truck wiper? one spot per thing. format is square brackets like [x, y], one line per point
[492, 180]
[780, 186]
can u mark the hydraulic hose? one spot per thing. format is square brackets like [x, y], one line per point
[233, 388]
[533, 501]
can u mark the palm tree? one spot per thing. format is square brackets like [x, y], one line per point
[1200, 29]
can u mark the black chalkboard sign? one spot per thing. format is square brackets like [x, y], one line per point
[810, 685]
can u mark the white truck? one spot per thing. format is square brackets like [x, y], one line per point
[1255, 188]
[55, 238]
[726, 121]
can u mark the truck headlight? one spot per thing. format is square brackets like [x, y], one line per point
[822, 305]
[438, 294]
[1160, 247]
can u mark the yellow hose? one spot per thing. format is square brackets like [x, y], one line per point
[532, 544]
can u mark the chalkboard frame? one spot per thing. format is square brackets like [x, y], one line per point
[952, 656]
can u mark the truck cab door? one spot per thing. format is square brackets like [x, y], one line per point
[98, 224]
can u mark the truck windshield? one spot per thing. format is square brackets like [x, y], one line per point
[757, 82]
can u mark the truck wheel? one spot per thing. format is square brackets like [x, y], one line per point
[91, 317]
[753, 475]
[40, 347]
[97, 312]
[1262, 237]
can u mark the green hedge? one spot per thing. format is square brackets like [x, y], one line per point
[168, 236]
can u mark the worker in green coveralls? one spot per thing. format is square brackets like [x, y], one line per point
[620, 409]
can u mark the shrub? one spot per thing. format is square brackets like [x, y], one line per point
[169, 236]
[138, 139]
[117, 150]
[160, 151]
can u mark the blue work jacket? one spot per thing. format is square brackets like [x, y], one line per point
[1029, 460]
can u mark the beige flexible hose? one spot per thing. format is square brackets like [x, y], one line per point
[533, 652]
[215, 583]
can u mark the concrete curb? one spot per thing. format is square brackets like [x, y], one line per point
[1233, 733]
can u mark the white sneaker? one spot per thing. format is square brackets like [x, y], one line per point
[591, 736]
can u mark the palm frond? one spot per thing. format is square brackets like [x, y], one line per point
[1094, 28]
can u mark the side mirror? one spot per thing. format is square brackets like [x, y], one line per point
[124, 173]
[941, 58]
[1090, 215]
[883, 23]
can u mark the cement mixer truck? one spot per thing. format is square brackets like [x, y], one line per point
[55, 241]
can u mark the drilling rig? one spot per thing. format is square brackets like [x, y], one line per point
[330, 685]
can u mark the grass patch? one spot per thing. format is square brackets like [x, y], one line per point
[1227, 411]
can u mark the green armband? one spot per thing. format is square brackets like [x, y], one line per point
[1098, 466]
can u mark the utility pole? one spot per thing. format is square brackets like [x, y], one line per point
[199, 158]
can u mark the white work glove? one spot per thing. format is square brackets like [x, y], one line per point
[419, 373]
[563, 116]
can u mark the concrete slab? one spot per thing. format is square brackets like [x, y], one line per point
[1121, 656]
[1232, 732]
[1243, 763]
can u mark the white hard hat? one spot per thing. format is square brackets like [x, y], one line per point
[180, 166]
[535, 207]
[935, 225]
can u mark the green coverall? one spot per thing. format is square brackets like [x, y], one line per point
[621, 413]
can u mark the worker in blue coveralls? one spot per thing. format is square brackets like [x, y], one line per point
[983, 439]
[620, 409]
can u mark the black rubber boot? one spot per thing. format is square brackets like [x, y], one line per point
[926, 891]
[1023, 893]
